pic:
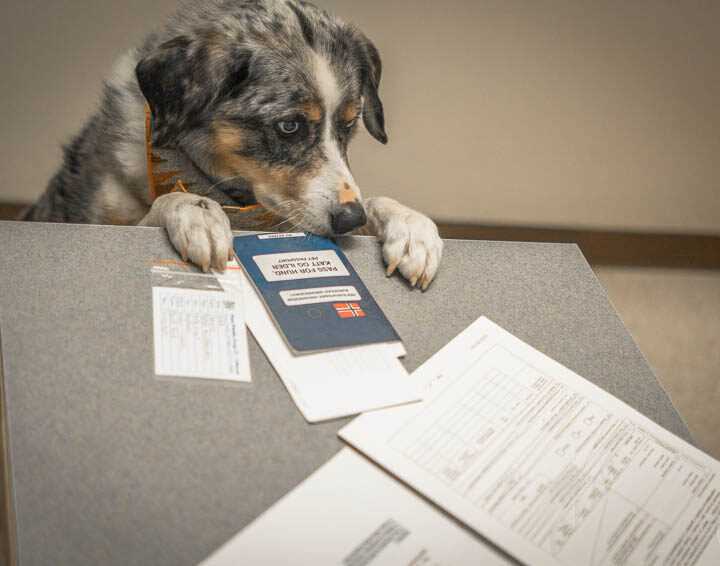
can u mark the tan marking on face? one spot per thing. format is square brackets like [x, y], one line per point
[228, 140]
[350, 111]
[278, 183]
[346, 194]
[228, 137]
[312, 111]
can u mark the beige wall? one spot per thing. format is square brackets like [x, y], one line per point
[600, 114]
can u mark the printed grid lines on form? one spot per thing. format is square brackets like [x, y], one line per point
[453, 442]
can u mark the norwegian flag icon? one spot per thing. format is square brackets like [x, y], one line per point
[348, 310]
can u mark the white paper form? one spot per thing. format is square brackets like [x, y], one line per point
[351, 513]
[199, 333]
[544, 463]
[328, 385]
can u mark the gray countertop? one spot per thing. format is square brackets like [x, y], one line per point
[111, 465]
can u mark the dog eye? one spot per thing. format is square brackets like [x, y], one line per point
[288, 127]
[350, 124]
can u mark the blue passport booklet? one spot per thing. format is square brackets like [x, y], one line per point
[312, 291]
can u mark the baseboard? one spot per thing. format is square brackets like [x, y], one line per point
[622, 248]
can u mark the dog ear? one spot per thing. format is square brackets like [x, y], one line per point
[370, 73]
[183, 77]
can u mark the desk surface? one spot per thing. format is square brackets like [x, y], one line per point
[111, 465]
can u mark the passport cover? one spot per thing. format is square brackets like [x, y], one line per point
[312, 291]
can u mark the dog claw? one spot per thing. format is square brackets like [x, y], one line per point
[392, 267]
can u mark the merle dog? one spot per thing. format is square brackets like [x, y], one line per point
[263, 96]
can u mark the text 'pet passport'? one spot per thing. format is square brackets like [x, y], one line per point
[312, 291]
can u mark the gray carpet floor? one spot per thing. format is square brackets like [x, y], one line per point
[674, 316]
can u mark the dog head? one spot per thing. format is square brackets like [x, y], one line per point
[264, 97]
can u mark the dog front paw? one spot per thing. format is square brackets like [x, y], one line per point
[411, 242]
[197, 227]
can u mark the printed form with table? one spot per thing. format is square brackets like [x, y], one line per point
[489, 436]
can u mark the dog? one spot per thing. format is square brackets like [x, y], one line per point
[263, 97]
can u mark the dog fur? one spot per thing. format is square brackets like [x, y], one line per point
[263, 96]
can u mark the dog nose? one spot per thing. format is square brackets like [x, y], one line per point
[348, 217]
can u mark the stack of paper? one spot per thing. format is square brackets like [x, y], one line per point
[544, 463]
[523, 451]
[332, 384]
